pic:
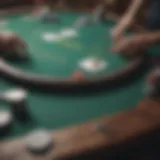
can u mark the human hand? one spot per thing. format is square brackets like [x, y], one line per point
[130, 45]
[121, 27]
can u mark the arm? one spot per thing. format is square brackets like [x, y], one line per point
[128, 17]
[136, 43]
[151, 38]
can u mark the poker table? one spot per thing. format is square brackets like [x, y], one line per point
[58, 98]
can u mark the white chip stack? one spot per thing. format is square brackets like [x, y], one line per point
[5, 121]
[39, 141]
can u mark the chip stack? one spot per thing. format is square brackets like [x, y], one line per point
[39, 141]
[17, 99]
[5, 122]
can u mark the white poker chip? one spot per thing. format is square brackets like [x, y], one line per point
[39, 141]
[5, 118]
[93, 65]
[69, 32]
[15, 94]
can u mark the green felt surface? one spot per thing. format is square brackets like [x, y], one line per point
[49, 110]
[62, 58]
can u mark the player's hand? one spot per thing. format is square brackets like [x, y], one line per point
[130, 45]
[118, 31]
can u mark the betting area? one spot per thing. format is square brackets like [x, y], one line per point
[63, 46]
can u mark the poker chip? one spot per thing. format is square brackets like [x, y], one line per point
[78, 75]
[93, 65]
[39, 141]
[19, 106]
[15, 95]
[5, 121]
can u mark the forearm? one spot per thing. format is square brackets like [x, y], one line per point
[152, 38]
[131, 13]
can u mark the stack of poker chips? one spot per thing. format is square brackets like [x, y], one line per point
[6, 120]
[16, 98]
[39, 141]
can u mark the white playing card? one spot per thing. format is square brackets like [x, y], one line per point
[93, 65]
[68, 32]
[51, 37]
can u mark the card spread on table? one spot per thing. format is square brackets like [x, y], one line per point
[69, 32]
[66, 33]
[51, 37]
[93, 65]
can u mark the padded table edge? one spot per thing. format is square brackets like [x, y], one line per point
[123, 130]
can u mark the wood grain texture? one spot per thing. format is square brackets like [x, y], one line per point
[122, 131]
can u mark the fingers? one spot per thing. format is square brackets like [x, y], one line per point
[116, 35]
[119, 46]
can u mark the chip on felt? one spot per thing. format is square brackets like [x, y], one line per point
[93, 65]
[39, 141]
[5, 118]
[78, 75]
[15, 95]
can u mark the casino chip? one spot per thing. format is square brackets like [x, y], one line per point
[78, 75]
[5, 121]
[15, 95]
[17, 99]
[93, 65]
[39, 141]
